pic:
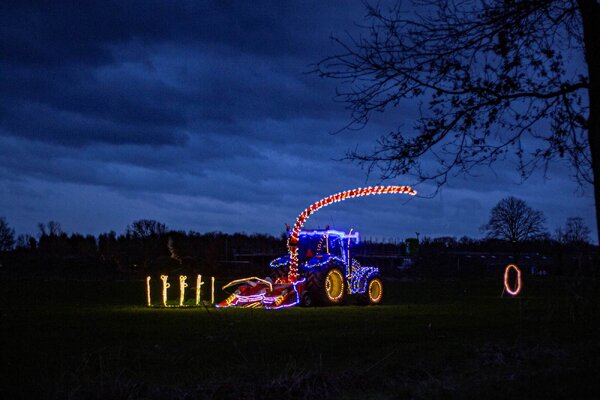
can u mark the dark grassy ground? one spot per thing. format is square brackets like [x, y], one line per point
[452, 339]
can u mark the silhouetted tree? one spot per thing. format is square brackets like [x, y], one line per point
[173, 251]
[107, 244]
[82, 245]
[513, 220]
[575, 231]
[26, 242]
[149, 242]
[500, 79]
[444, 241]
[7, 235]
[52, 228]
[575, 237]
[145, 228]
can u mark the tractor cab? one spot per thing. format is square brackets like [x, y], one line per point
[325, 242]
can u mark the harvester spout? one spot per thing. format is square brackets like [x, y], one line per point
[334, 198]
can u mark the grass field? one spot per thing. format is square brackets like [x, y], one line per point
[451, 339]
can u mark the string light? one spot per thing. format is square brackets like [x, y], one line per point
[333, 279]
[148, 291]
[324, 239]
[166, 285]
[517, 289]
[228, 301]
[232, 283]
[279, 301]
[375, 291]
[182, 286]
[283, 296]
[360, 276]
[348, 259]
[199, 284]
[317, 263]
[212, 290]
[348, 194]
[279, 262]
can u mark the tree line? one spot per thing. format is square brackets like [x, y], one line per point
[149, 246]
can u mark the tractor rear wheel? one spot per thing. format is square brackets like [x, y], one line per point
[328, 286]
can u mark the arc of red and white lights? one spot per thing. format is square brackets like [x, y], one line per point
[334, 198]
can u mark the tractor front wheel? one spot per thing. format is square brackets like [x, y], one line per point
[306, 300]
[374, 293]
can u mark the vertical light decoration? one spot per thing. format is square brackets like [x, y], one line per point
[212, 290]
[199, 284]
[517, 289]
[348, 194]
[166, 285]
[349, 260]
[148, 291]
[182, 286]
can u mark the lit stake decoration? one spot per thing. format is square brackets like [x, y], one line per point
[166, 285]
[348, 194]
[199, 283]
[517, 289]
[212, 290]
[148, 291]
[182, 286]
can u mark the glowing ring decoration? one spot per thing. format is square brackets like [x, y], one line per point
[334, 198]
[375, 291]
[507, 287]
[334, 285]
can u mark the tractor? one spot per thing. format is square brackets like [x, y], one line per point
[329, 270]
[318, 269]
[327, 275]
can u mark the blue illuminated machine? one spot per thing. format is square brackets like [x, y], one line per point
[319, 267]
[330, 272]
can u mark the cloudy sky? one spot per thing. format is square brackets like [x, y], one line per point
[202, 115]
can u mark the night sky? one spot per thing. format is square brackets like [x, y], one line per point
[204, 116]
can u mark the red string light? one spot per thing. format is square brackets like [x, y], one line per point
[334, 198]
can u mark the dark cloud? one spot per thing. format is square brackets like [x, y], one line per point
[145, 72]
[202, 114]
[55, 32]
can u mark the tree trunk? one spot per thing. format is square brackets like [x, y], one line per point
[590, 15]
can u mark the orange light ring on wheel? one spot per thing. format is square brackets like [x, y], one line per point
[380, 295]
[340, 279]
[348, 194]
[519, 285]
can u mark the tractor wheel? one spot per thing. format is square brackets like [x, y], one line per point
[374, 293]
[328, 286]
[306, 299]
